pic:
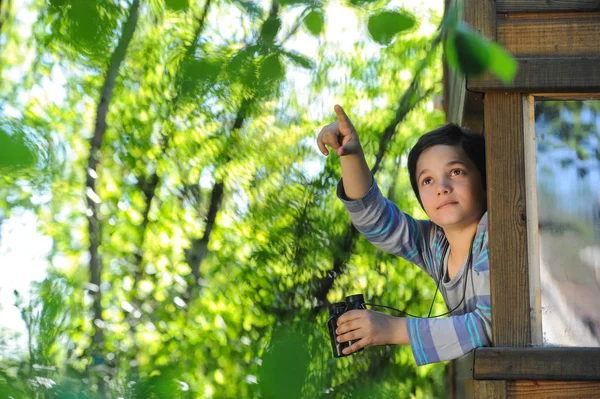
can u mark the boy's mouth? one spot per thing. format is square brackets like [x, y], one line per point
[447, 204]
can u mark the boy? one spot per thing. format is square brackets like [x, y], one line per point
[447, 174]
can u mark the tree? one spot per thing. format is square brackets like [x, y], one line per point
[195, 232]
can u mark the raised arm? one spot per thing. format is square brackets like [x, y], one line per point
[342, 137]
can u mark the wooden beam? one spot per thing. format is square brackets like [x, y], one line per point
[508, 6]
[550, 35]
[537, 363]
[462, 384]
[546, 75]
[491, 390]
[553, 389]
[505, 164]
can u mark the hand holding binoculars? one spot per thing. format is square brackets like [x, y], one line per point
[337, 309]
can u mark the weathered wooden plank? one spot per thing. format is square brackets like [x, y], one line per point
[481, 16]
[491, 390]
[546, 75]
[473, 111]
[508, 6]
[462, 384]
[537, 363]
[505, 163]
[550, 35]
[553, 389]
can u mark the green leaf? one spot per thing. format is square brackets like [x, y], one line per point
[285, 364]
[198, 75]
[15, 152]
[314, 21]
[502, 64]
[299, 60]
[450, 52]
[473, 51]
[177, 5]
[270, 29]
[271, 67]
[473, 54]
[384, 26]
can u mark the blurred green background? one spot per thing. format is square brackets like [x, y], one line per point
[164, 154]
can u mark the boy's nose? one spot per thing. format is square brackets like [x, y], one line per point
[444, 188]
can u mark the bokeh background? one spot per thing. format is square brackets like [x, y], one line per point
[168, 227]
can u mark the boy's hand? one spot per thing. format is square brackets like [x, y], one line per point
[370, 328]
[340, 135]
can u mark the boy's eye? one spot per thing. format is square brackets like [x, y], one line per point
[456, 172]
[426, 181]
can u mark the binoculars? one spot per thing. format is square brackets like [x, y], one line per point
[337, 309]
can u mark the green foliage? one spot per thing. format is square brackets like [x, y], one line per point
[472, 55]
[177, 5]
[285, 363]
[385, 25]
[84, 28]
[15, 150]
[314, 22]
[270, 29]
[219, 225]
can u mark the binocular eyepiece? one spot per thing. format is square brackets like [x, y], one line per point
[337, 309]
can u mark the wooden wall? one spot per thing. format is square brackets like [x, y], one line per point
[557, 46]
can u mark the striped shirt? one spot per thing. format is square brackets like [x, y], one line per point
[422, 242]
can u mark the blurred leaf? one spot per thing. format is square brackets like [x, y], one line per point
[15, 151]
[314, 21]
[384, 26]
[472, 51]
[198, 75]
[450, 52]
[581, 153]
[177, 5]
[271, 67]
[284, 364]
[85, 21]
[299, 59]
[270, 29]
[502, 64]
[472, 55]
[163, 383]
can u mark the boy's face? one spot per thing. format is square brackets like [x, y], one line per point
[450, 187]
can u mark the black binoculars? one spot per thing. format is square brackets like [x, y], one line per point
[337, 309]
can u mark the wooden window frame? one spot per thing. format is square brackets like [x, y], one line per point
[504, 113]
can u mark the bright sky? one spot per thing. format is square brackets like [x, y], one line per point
[23, 249]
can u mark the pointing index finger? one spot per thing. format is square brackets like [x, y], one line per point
[342, 117]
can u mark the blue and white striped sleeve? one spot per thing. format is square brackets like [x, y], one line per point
[434, 340]
[390, 230]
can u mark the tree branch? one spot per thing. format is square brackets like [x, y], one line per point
[91, 172]
[199, 248]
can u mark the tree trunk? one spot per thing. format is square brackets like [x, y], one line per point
[91, 175]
